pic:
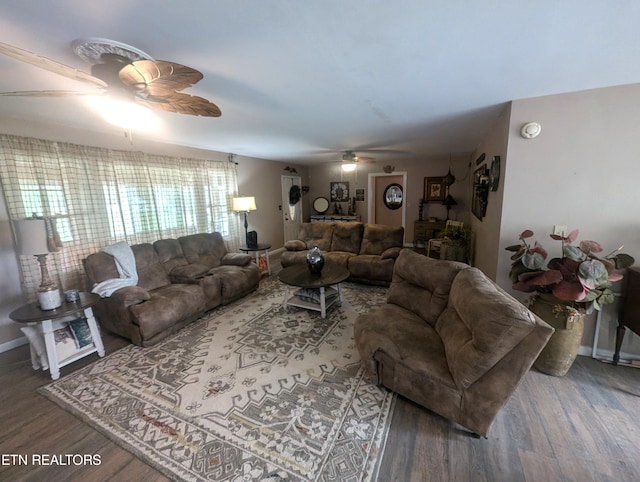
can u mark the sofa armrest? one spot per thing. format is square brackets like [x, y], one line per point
[391, 253]
[236, 259]
[130, 295]
[295, 245]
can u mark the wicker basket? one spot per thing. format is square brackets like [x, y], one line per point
[453, 250]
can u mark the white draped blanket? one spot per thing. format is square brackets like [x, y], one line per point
[126, 265]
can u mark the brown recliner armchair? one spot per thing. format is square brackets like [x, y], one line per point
[449, 339]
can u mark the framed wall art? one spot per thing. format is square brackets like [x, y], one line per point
[339, 192]
[360, 195]
[434, 189]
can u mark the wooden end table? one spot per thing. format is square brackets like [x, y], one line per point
[301, 276]
[48, 321]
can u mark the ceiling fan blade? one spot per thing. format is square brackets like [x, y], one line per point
[48, 64]
[183, 104]
[158, 77]
[366, 160]
[47, 93]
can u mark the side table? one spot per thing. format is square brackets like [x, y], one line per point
[256, 250]
[48, 321]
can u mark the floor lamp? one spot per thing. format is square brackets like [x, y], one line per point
[31, 237]
[244, 205]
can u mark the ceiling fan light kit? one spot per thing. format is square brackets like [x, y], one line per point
[349, 166]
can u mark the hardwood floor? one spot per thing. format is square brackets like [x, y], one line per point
[581, 427]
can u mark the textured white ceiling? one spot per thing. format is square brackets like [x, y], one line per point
[304, 80]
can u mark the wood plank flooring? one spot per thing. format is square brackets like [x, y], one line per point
[581, 427]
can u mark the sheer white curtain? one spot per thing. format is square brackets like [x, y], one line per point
[100, 196]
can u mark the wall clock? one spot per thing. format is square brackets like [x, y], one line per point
[321, 205]
[339, 192]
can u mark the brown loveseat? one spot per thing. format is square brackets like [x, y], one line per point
[449, 339]
[367, 250]
[178, 280]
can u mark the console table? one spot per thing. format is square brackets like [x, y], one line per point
[330, 218]
[48, 321]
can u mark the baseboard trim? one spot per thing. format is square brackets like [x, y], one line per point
[10, 345]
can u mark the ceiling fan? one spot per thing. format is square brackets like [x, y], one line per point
[125, 73]
[350, 160]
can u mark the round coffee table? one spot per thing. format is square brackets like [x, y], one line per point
[301, 276]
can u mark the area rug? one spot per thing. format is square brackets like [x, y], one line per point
[252, 391]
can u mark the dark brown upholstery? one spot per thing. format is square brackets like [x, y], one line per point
[449, 339]
[236, 274]
[178, 280]
[368, 251]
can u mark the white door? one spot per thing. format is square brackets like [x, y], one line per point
[292, 213]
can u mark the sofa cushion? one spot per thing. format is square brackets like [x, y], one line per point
[406, 339]
[181, 274]
[295, 245]
[317, 234]
[480, 326]
[378, 237]
[421, 284]
[167, 306]
[204, 248]
[151, 274]
[369, 266]
[169, 253]
[347, 237]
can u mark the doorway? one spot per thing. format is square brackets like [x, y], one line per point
[292, 213]
[386, 213]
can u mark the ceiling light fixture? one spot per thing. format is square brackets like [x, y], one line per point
[349, 166]
[125, 114]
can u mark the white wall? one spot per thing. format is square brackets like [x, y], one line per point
[581, 171]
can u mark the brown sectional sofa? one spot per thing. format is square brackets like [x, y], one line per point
[449, 339]
[178, 280]
[367, 250]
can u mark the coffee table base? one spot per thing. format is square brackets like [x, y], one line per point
[321, 307]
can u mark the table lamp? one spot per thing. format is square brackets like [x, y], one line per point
[31, 237]
[448, 202]
[244, 205]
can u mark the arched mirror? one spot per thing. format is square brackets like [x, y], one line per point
[393, 196]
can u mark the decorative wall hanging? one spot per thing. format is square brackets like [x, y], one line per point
[480, 192]
[392, 196]
[295, 193]
[434, 189]
[339, 191]
[494, 174]
[360, 195]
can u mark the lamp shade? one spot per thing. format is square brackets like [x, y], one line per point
[244, 204]
[31, 236]
[449, 201]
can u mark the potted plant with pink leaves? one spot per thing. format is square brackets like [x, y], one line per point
[565, 289]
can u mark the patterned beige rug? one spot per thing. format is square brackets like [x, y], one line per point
[251, 391]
